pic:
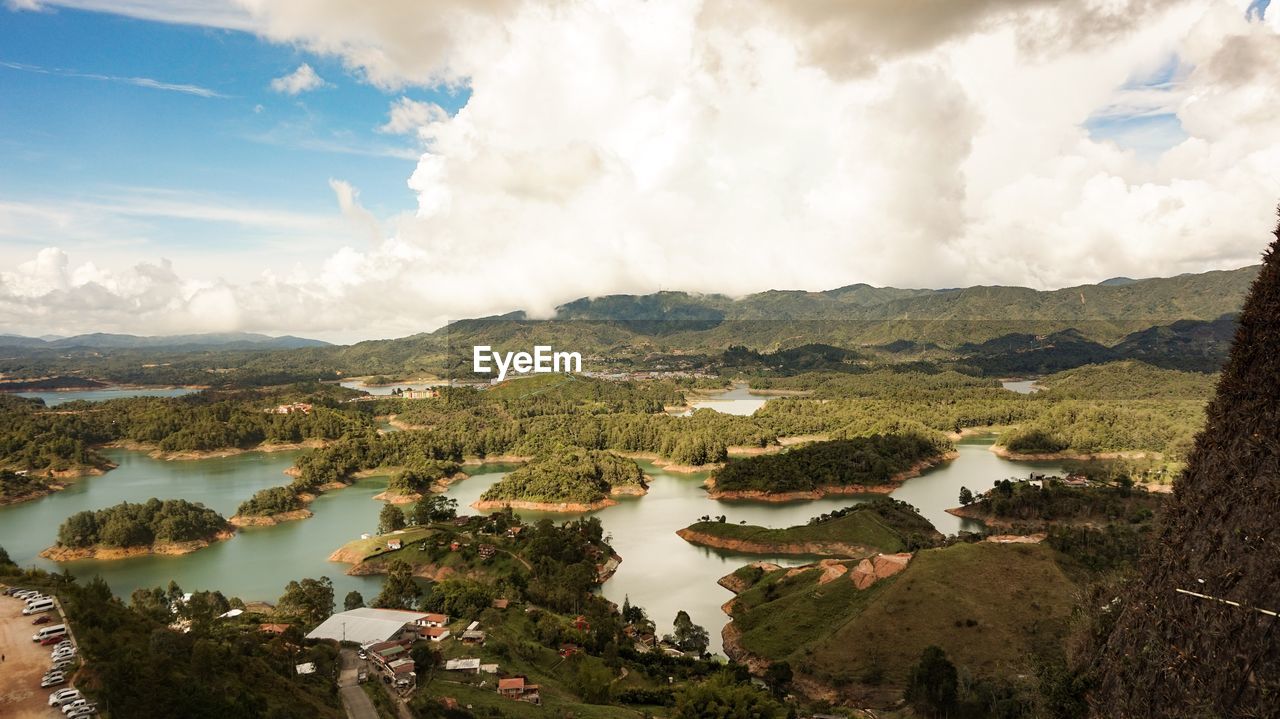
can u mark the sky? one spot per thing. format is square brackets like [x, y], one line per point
[348, 170]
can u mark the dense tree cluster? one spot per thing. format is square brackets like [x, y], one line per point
[867, 461]
[569, 475]
[269, 501]
[16, 486]
[140, 525]
[1055, 501]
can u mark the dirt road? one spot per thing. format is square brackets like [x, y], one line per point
[24, 663]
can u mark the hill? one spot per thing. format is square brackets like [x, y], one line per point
[226, 340]
[993, 608]
[568, 480]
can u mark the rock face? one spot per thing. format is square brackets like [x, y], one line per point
[1171, 654]
[870, 571]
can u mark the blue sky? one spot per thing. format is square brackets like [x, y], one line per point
[82, 119]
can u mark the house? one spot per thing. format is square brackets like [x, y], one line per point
[302, 407]
[515, 531]
[473, 636]
[463, 665]
[434, 620]
[569, 649]
[308, 668]
[435, 634]
[487, 551]
[273, 628]
[473, 625]
[366, 626]
[394, 544]
[489, 668]
[516, 688]
[402, 672]
[580, 623]
[501, 603]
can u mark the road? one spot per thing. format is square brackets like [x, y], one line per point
[354, 700]
[24, 663]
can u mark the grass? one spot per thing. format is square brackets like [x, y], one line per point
[862, 528]
[991, 607]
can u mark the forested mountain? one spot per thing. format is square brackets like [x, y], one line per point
[225, 340]
[1182, 322]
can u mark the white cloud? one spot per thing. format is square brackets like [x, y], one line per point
[147, 82]
[304, 79]
[614, 146]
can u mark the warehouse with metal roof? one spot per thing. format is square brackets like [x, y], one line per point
[367, 625]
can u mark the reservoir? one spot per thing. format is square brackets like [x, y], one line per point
[53, 399]
[659, 572]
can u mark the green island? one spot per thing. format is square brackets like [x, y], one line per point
[170, 526]
[860, 465]
[882, 525]
[568, 480]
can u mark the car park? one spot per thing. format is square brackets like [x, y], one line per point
[63, 696]
[53, 679]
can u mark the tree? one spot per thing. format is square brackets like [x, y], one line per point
[399, 591]
[931, 686]
[724, 697]
[309, 599]
[434, 508]
[354, 600]
[5, 561]
[391, 519]
[689, 637]
[778, 676]
[966, 497]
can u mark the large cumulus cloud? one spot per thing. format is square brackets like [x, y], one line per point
[622, 146]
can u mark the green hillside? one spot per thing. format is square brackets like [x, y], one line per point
[993, 608]
[883, 525]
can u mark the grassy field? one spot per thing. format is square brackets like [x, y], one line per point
[992, 607]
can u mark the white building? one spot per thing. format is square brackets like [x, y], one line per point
[367, 625]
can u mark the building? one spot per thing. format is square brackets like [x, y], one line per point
[487, 551]
[302, 407]
[473, 636]
[367, 625]
[463, 665]
[402, 672]
[273, 628]
[433, 620]
[516, 688]
[435, 634]
[501, 603]
[394, 544]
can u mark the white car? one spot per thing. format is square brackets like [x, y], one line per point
[52, 679]
[84, 711]
[74, 704]
[26, 594]
[60, 665]
[63, 696]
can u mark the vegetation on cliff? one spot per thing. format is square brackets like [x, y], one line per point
[569, 476]
[880, 525]
[140, 525]
[858, 462]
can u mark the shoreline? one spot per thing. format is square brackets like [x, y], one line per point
[196, 454]
[801, 549]
[890, 485]
[58, 553]
[270, 520]
[1006, 453]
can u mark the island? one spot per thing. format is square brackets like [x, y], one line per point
[875, 464]
[271, 506]
[409, 483]
[170, 526]
[882, 525]
[567, 480]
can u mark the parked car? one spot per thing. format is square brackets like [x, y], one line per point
[43, 619]
[60, 665]
[83, 711]
[66, 644]
[78, 704]
[25, 593]
[51, 640]
[63, 696]
[53, 679]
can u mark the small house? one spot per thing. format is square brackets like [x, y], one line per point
[474, 636]
[435, 634]
[434, 620]
[501, 603]
[471, 665]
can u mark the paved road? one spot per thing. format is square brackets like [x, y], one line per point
[24, 663]
[354, 700]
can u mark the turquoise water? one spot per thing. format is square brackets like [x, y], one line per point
[53, 399]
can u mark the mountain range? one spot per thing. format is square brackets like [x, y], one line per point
[104, 341]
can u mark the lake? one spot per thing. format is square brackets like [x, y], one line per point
[382, 390]
[1021, 386]
[659, 572]
[739, 400]
[53, 399]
